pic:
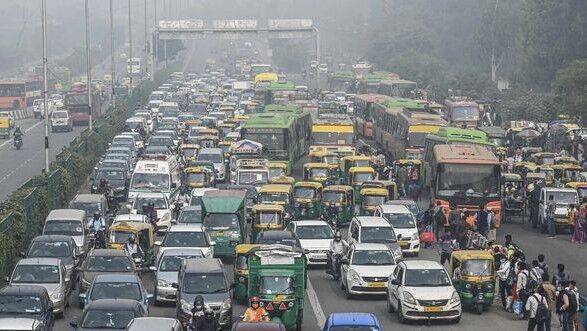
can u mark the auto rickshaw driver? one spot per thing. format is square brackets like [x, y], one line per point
[255, 313]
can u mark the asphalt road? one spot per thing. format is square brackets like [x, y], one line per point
[18, 166]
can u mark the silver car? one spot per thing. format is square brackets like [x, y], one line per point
[68, 222]
[166, 269]
[48, 273]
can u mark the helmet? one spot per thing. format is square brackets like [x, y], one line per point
[97, 214]
[337, 235]
[255, 300]
[199, 303]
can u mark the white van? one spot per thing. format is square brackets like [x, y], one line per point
[155, 176]
[404, 225]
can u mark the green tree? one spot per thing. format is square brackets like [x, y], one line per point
[571, 89]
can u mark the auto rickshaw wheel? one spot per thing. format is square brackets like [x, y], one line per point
[479, 308]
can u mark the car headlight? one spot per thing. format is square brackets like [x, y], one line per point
[186, 306]
[397, 253]
[162, 283]
[226, 305]
[409, 298]
[354, 276]
[415, 236]
[455, 298]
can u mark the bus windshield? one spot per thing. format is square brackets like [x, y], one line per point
[150, 182]
[468, 179]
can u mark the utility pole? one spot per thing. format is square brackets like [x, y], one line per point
[112, 63]
[146, 40]
[155, 43]
[494, 65]
[129, 44]
[45, 90]
[88, 64]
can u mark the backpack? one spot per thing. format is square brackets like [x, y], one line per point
[572, 301]
[534, 280]
[542, 311]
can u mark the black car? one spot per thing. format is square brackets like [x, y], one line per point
[104, 261]
[25, 308]
[278, 237]
[117, 180]
[109, 314]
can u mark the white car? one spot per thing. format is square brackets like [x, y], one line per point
[132, 218]
[187, 236]
[422, 290]
[373, 229]
[404, 224]
[314, 236]
[162, 207]
[366, 269]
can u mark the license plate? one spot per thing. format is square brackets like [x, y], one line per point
[377, 284]
[433, 309]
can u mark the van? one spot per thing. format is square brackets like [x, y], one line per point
[155, 176]
[68, 222]
[562, 199]
[61, 121]
[216, 156]
[205, 277]
[404, 225]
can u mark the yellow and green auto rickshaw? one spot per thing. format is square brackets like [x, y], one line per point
[284, 180]
[188, 151]
[370, 198]
[348, 162]
[359, 175]
[473, 274]
[307, 200]
[240, 269]
[342, 198]
[565, 160]
[546, 170]
[206, 140]
[280, 194]
[196, 177]
[119, 233]
[277, 169]
[266, 217]
[318, 172]
[581, 188]
[389, 185]
[543, 158]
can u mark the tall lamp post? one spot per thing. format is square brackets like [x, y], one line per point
[88, 65]
[45, 90]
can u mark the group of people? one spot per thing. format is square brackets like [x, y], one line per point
[530, 292]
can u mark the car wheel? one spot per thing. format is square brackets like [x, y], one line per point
[400, 315]
[456, 320]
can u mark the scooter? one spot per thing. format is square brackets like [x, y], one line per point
[17, 143]
[333, 265]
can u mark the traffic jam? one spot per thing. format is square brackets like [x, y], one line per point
[229, 193]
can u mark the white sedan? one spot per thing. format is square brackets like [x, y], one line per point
[422, 290]
[366, 269]
[314, 236]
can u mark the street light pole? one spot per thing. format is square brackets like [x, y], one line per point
[45, 90]
[88, 65]
[112, 64]
[130, 44]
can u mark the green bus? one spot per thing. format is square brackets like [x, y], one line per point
[283, 132]
[341, 80]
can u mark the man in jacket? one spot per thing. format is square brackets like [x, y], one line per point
[532, 304]
[505, 290]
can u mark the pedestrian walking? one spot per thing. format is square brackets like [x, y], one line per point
[543, 265]
[560, 277]
[577, 221]
[521, 290]
[447, 246]
[550, 294]
[505, 282]
[492, 225]
[482, 221]
[439, 220]
[537, 308]
[550, 221]
[566, 304]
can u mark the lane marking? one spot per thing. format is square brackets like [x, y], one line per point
[315, 303]
[25, 131]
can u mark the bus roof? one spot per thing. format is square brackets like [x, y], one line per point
[371, 97]
[269, 120]
[469, 154]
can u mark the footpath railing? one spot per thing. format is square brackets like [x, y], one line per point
[24, 211]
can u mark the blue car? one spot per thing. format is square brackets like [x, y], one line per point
[116, 286]
[352, 322]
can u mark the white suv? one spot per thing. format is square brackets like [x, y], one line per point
[373, 229]
[404, 225]
[422, 290]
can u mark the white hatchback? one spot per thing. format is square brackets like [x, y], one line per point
[366, 269]
[315, 237]
[422, 290]
[404, 224]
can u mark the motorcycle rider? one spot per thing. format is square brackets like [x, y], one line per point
[332, 213]
[336, 251]
[97, 225]
[255, 313]
[197, 313]
[132, 248]
[207, 323]
[17, 134]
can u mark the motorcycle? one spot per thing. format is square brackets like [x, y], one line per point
[333, 268]
[97, 239]
[17, 142]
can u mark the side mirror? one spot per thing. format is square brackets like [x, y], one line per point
[150, 298]
[395, 281]
[153, 268]
[212, 243]
[22, 254]
[82, 297]
[173, 221]
[158, 243]
[7, 279]
[175, 285]
[74, 323]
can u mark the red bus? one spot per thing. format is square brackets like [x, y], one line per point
[12, 95]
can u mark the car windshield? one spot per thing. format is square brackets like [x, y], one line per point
[89, 207]
[204, 283]
[68, 228]
[111, 290]
[378, 234]
[60, 114]
[319, 172]
[35, 273]
[185, 239]
[150, 181]
[20, 304]
[400, 221]
[374, 200]
[219, 221]
[276, 172]
[266, 218]
[141, 202]
[107, 319]
[120, 237]
[49, 249]
[287, 241]
[195, 177]
[426, 277]
[173, 262]
[190, 216]
[211, 157]
[563, 197]
[304, 193]
[109, 264]
[372, 257]
[271, 197]
[331, 196]
[273, 285]
[253, 178]
[477, 268]
[314, 232]
[161, 141]
[110, 174]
